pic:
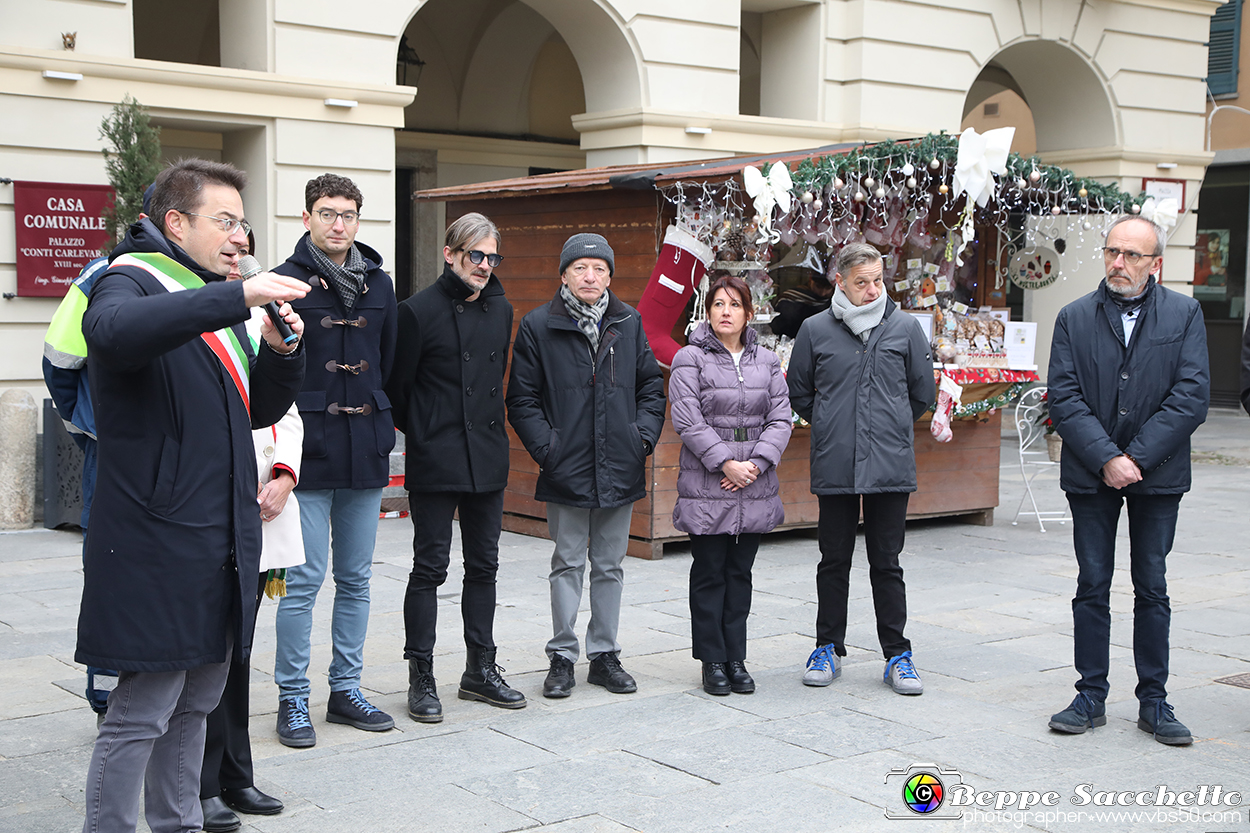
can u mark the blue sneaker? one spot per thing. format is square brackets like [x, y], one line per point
[900, 675]
[294, 727]
[822, 666]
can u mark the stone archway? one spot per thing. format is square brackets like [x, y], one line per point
[1071, 103]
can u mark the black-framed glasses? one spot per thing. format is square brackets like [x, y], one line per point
[476, 257]
[1130, 258]
[228, 224]
[329, 216]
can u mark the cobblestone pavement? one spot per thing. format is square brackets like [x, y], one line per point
[990, 621]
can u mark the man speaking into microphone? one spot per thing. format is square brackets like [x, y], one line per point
[173, 550]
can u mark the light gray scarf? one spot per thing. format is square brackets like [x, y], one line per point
[859, 320]
[586, 315]
[348, 280]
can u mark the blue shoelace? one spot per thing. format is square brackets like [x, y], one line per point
[821, 658]
[906, 670]
[358, 700]
[1164, 713]
[1084, 705]
[297, 714]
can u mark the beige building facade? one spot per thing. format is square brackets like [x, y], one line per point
[404, 94]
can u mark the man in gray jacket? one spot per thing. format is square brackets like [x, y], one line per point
[861, 374]
[1129, 384]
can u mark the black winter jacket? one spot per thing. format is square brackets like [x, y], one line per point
[588, 421]
[173, 549]
[345, 450]
[1144, 400]
[446, 390]
[862, 401]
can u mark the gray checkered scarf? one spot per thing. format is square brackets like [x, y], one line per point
[586, 315]
[859, 320]
[348, 280]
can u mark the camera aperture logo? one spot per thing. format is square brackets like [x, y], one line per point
[923, 793]
[924, 788]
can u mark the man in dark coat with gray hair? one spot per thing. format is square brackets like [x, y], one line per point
[1129, 383]
[586, 397]
[861, 374]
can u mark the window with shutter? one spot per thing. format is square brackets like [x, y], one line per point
[1222, 49]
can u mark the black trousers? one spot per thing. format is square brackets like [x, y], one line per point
[720, 595]
[227, 747]
[481, 519]
[885, 519]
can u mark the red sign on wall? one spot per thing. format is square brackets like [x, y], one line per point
[59, 229]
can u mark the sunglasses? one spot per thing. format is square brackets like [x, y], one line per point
[476, 257]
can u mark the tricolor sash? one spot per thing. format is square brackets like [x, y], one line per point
[224, 343]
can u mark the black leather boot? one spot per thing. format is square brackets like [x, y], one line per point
[739, 680]
[715, 680]
[423, 703]
[481, 681]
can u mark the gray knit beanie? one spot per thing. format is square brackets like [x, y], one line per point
[587, 245]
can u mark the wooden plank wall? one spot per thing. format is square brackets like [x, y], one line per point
[956, 478]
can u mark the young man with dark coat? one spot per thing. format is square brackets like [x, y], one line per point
[586, 397]
[173, 549]
[348, 437]
[446, 392]
[1129, 383]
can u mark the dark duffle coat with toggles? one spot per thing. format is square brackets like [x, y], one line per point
[343, 447]
[447, 387]
[173, 548]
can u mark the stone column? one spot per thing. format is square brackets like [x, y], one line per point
[18, 420]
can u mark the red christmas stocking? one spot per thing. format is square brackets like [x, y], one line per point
[682, 263]
[949, 395]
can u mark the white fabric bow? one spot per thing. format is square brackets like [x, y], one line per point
[1161, 212]
[981, 155]
[768, 192]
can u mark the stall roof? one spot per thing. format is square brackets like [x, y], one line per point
[636, 177]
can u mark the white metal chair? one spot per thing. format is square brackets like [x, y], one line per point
[1031, 410]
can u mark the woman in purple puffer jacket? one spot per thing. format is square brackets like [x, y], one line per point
[732, 410]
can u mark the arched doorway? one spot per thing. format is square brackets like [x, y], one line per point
[498, 84]
[1063, 110]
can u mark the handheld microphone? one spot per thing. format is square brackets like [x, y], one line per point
[249, 267]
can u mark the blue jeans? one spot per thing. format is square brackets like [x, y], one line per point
[1151, 529]
[352, 516]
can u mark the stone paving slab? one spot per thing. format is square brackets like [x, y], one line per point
[990, 621]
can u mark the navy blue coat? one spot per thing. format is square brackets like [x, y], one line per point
[447, 387]
[1144, 400]
[589, 421]
[173, 549]
[345, 451]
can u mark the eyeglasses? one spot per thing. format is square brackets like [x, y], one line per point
[600, 270]
[228, 224]
[1130, 258]
[476, 257]
[329, 216]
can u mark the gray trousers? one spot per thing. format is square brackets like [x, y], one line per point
[152, 736]
[601, 535]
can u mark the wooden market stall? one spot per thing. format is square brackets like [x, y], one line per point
[626, 204]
